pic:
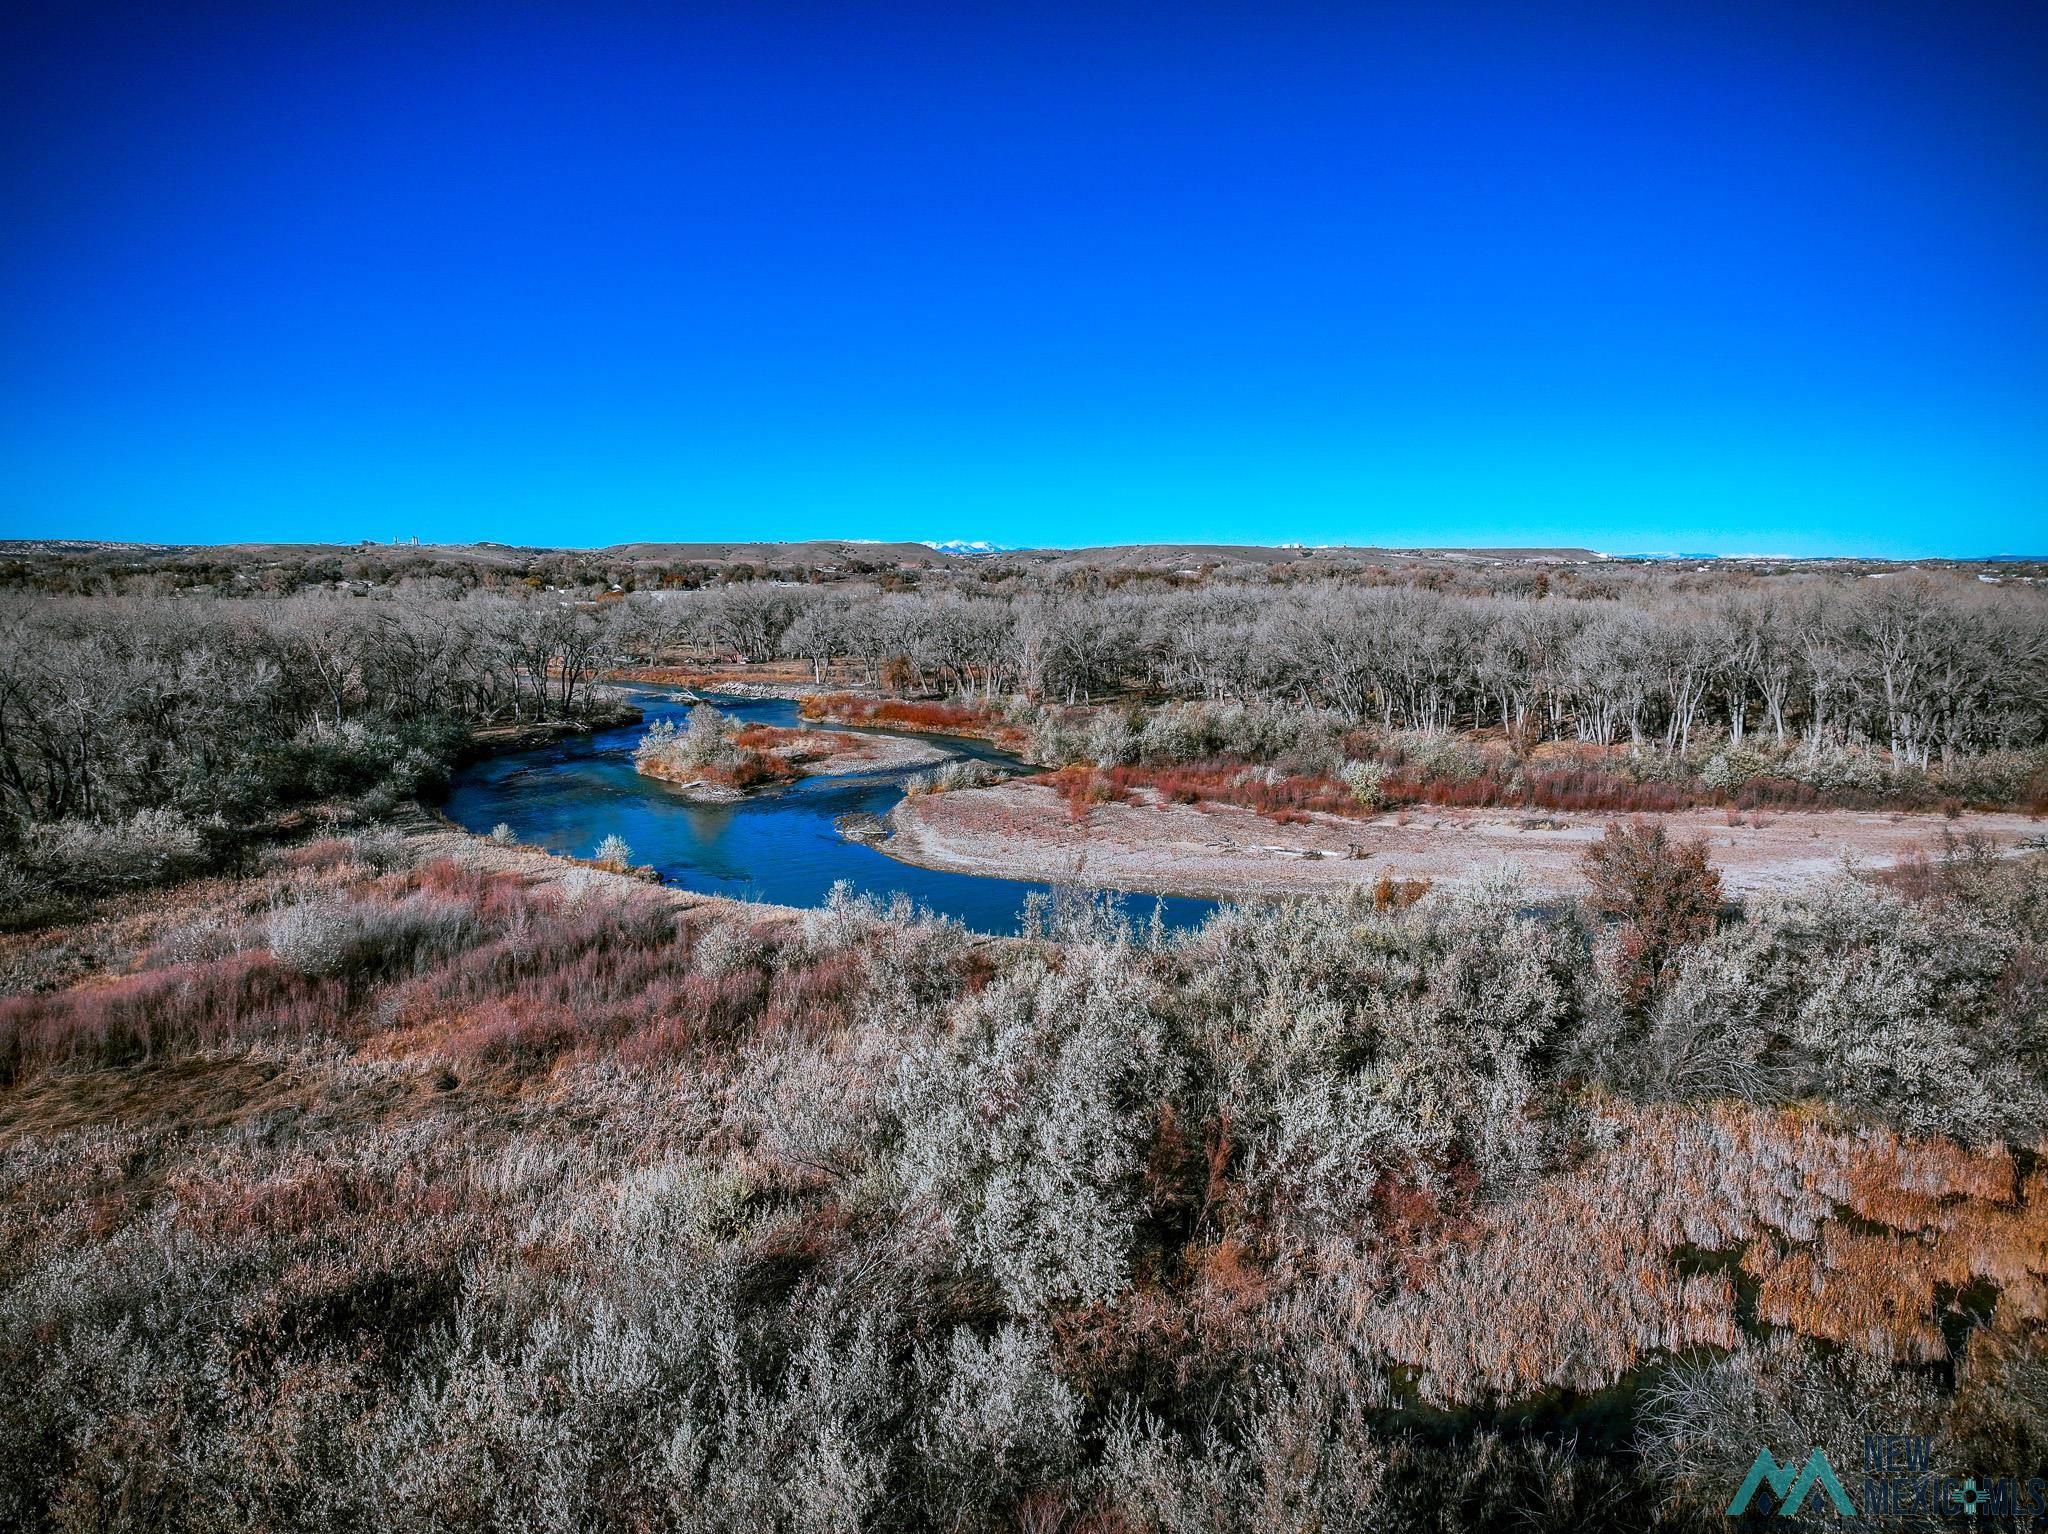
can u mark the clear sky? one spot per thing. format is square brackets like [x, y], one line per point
[1647, 275]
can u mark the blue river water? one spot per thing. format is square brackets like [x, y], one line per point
[778, 846]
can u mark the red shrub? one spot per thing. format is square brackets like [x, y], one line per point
[1289, 800]
[702, 1010]
[752, 770]
[1391, 894]
[811, 999]
[186, 1006]
[801, 745]
[1665, 894]
[1083, 788]
[847, 708]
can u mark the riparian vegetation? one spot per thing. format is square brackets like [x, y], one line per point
[216, 708]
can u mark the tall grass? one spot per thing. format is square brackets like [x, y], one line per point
[132, 1019]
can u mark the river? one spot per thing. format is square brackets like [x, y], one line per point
[778, 846]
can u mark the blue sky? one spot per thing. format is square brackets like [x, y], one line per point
[1710, 276]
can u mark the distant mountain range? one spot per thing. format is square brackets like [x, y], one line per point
[967, 548]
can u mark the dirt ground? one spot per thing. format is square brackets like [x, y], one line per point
[875, 752]
[1024, 830]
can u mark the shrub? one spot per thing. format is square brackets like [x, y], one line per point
[1000, 1421]
[1838, 769]
[1665, 895]
[1732, 768]
[1026, 1129]
[370, 937]
[728, 947]
[1111, 741]
[704, 741]
[613, 853]
[1851, 993]
[20, 887]
[89, 857]
[1994, 777]
[1284, 1456]
[1349, 1041]
[385, 850]
[1703, 1422]
[312, 937]
[966, 773]
[502, 835]
[1364, 780]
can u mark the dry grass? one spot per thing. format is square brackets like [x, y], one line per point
[1852, 1236]
[792, 746]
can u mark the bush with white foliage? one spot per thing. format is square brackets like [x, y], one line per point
[1025, 1130]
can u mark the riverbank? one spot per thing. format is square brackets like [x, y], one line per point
[531, 734]
[750, 681]
[874, 752]
[1025, 830]
[431, 835]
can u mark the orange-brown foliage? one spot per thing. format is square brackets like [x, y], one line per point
[1572, 1285]
[794, 745]
[898, 714]
[1391, 894]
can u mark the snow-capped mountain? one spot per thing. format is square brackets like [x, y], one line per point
[966, 546]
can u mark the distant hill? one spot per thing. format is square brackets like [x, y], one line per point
[814, 553]
[818, 551]
[1157, 556]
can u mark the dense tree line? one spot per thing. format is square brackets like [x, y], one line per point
[208, 716]
[223, 709]
[1923, 668]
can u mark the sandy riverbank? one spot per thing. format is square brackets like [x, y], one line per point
[874, 753]
[432, 835]
[1024, 830]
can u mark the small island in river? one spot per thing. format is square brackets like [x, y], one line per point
[715, 760]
